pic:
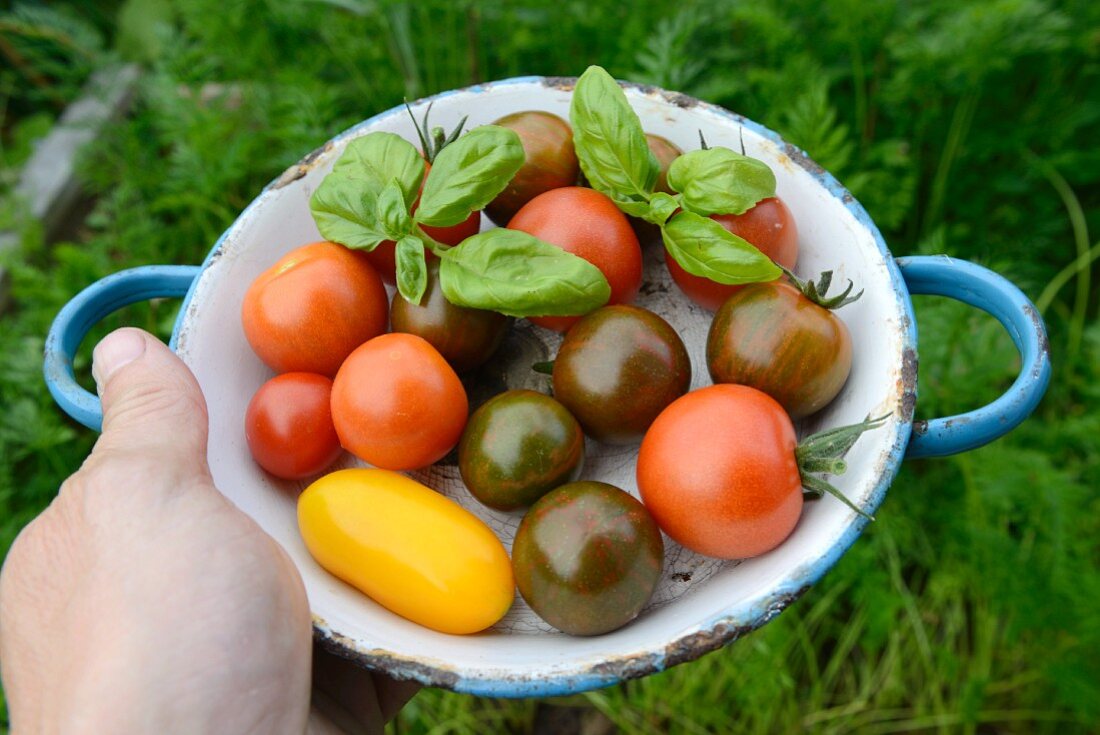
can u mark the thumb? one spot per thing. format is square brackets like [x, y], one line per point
[152, 404]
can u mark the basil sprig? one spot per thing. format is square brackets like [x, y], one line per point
[614, 156]
[369, 198]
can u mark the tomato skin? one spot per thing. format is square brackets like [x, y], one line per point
[666, 152]
[617, 369]
[770, 336]
[397, 404]
[550, 163]
[313, 307]
[410, 549]
[288, 426]
[587, 557]
[717, 470]
[383, 257]
[769, 226]
[518, 446]
[465, 337]
[588, 224]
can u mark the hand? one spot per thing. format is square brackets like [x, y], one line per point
[142, 600]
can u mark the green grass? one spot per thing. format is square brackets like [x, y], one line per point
[970, 605]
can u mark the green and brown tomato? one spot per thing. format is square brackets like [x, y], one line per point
[550, 161]
[465, 337]
[587, 558]
[517, 447]
[772, 337]
[617, 369]
[666, 152]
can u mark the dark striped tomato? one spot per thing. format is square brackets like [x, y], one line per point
[587, 558]
[550, 161]
[465, 337]
[617, 368]
[771, 337]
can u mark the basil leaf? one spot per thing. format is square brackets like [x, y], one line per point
[609, 139]
[661, 207]
[516, 274]
[704, 248]
[378, 158]
[412, 268]
[632, 207]
[720, 181]
[468, 174]
[393, 214]
[346, 212]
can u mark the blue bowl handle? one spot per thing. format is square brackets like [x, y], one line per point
[939, 275]
[82, 313]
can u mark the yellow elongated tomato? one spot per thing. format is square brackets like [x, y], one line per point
[408, 548]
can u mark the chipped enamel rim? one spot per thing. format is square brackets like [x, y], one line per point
[730, 623]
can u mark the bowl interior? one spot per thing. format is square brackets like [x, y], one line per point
[700, 603]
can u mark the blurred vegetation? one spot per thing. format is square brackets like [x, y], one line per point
[966, 128]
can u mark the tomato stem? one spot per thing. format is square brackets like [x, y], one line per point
[433, 140]
[815, 292]
[546, 368]
[824, 452]
[430, 242]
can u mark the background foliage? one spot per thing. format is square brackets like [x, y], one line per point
[965, 128]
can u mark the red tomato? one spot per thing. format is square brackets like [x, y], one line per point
[313, 307]
[397, 403]
[586, 223]
[288, 426]
[769, 226]
[717, 470]
[383, 258]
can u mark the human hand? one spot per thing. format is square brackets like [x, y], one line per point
[142, 600]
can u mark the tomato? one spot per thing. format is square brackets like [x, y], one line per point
[772, 337]
[588, 224]
[397, 404]
[617, 368]
[518, 446]
[465, 337]
[717, 470]
[288, 426]
[587, 558]
[769, 226]
[313, 307]
[383, 256]
[410, 549]
[666, 152]
[550, 162]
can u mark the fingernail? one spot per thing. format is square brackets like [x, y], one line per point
[115, 350]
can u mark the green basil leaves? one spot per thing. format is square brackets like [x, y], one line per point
[615, 158]
[370, 196]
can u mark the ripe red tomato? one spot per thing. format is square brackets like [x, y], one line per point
[550, 161]
[770, 336]
[288, 426]
[383, 258]
[397, 403]
[588, 224]
[717, 470]
[769, 226]
[313, 307]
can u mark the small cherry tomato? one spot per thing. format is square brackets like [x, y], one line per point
[588, 224]
[518, 446]
[551, 162]
[769, 226]
[774, 338]
[465, 337]
[666, 152]
[410, 549]
[617, 368]
[717, 470]
[288, 426]
[587, 558]
[397, 404]
[313, 307]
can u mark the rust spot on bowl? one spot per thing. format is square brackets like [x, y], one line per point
[565, 84]
[301, 168]
[909, 361]
[396, 667]
[799, 156]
